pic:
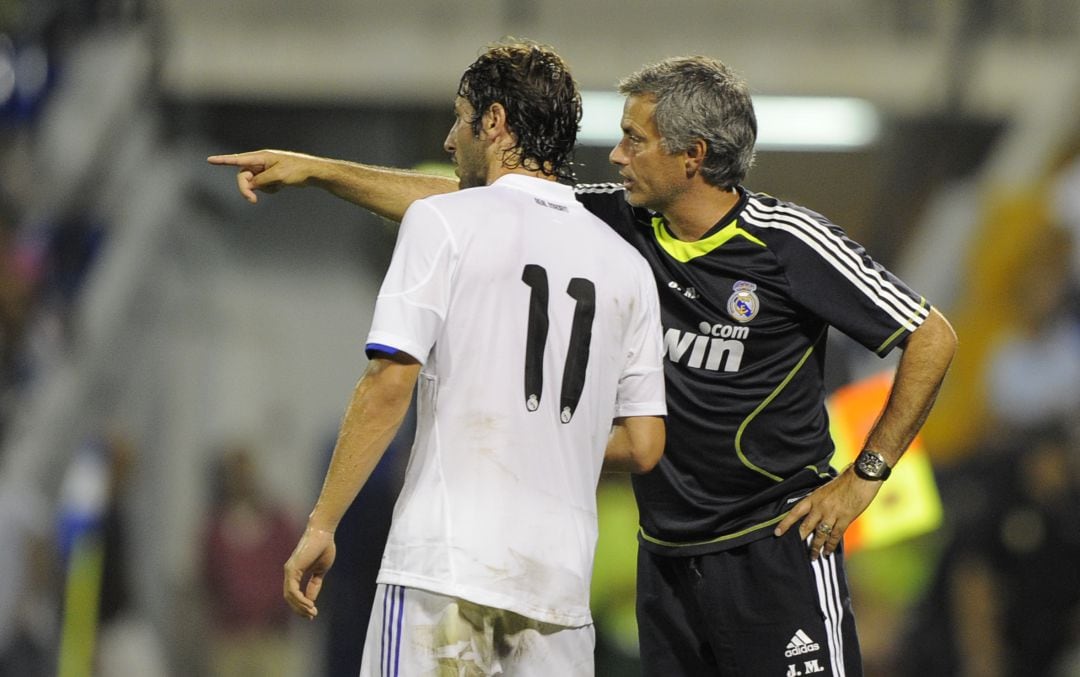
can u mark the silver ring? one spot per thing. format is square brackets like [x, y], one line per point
[825, 528]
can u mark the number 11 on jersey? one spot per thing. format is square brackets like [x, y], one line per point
[577, 355]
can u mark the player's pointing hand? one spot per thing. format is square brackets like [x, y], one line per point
[266, 170]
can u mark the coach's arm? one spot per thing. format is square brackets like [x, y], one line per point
[828, 511]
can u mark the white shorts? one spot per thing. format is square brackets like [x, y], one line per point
[413, 632]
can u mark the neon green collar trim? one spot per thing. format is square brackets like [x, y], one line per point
[687, 251]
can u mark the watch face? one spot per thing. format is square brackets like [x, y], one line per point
[871, 464]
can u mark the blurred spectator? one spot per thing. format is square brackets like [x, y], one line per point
[14, 293]
[248, 538]
[71, 247]
[128, 644]
[42, 272]
[101, 619]
[1006, 596]
[27, 620]
[1065, 206]
[16, 287]
[1034, 374]
[116, 596]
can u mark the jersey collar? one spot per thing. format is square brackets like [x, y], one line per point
[552, 190]
[724, 231]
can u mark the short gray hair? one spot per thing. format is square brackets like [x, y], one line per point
[701, 98]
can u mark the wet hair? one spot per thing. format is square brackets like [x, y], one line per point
[701, 98]
[541, 99]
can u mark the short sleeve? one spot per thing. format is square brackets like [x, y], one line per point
[415, 293]
[835, 279]
[641, 385]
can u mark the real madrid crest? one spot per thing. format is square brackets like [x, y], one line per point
[743, 305]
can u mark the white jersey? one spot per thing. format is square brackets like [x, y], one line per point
[536, 325]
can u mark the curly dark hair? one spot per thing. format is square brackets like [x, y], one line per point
[543, 106]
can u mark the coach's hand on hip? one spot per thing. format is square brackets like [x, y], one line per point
[829, 510]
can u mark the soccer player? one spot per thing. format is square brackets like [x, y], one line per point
[537, 363]
[750, 285]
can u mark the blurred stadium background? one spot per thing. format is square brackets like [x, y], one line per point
[175, 361]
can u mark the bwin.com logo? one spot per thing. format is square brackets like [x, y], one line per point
[719, 347]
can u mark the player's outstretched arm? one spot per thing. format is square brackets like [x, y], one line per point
[829, 510]
[635, 445]
[384, 191]
[375, 412]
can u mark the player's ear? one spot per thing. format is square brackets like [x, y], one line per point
[496, 128]
[494, 121]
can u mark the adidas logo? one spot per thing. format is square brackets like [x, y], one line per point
[800, 643]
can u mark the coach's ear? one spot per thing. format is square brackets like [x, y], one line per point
[694, 157]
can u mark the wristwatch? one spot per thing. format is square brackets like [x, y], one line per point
[870, 465]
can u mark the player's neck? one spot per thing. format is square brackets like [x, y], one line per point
[501, 163]
[495, 173]
[694, 212]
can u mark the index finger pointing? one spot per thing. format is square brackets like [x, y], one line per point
[236, 159]
[222, 160]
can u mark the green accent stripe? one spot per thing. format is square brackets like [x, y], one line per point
[718, 539]
[687, 251]
[761, 407]
[725, 537]
[896, 334]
